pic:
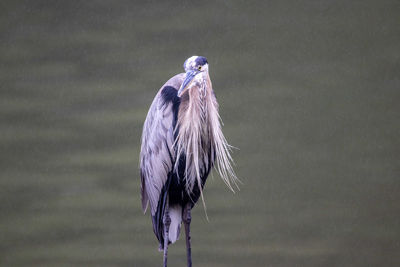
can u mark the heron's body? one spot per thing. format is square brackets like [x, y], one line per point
[182, 139]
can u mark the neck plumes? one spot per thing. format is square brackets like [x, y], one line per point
[199, 135]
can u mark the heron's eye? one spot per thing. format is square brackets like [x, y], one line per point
[199, 68]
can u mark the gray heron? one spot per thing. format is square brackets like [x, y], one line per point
[182, 141]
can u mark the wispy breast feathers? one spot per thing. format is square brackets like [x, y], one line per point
[200, 135]
[223, 158]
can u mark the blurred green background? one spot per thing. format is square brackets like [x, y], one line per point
[309, 93]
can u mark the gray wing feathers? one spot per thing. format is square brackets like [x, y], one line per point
[156, 156]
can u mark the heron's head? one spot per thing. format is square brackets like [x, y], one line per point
[193, 66]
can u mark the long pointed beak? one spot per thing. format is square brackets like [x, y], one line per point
[189, 77]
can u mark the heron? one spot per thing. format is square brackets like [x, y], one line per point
[182, 141]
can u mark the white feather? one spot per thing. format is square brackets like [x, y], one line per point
[175, 213]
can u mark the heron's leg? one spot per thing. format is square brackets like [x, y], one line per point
[167, 223]
[187, 218]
